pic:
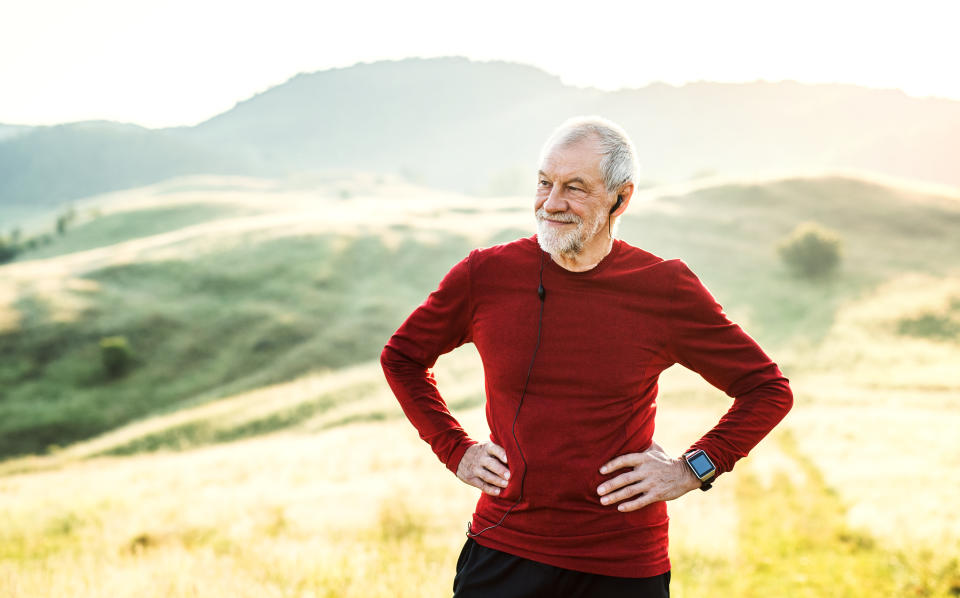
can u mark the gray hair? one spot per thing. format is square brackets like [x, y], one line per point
[619, 162]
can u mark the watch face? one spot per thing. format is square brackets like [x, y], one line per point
[701, 464]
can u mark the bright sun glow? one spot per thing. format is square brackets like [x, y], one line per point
[180, 62]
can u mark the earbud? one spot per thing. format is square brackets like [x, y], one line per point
[616, 205]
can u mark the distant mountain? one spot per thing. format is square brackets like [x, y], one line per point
[50, 164]
[477, 127]
[461, 124]
[10, 131]
[449, 122]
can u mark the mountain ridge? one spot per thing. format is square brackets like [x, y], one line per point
[476, 127]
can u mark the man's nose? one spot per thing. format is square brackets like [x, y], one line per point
[555, 202]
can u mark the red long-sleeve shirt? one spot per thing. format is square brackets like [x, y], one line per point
[607, 334]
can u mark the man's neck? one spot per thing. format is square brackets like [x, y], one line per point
[586, 259]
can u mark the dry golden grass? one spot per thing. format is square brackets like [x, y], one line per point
[10, 316]
[889, 465]
[877, 413]
[366, 510]
[866, 349]
[267, 515]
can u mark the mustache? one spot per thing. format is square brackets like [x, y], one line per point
[558, 216]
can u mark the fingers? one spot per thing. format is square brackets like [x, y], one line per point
[487, 488]
[644, 500]
[488, 482]
[485, 480]
[496, 467]
[491, 478]
[497, 451]
[622, 487]
[619, 482]
[654, 477]
[626, 484]
[483, 466]
[628, 460]
[495, 461]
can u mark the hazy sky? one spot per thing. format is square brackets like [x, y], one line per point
[182, 61]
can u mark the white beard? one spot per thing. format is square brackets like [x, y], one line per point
[565, 242]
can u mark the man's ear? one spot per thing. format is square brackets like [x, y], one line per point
[626, 192]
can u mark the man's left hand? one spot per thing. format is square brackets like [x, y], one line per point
[654, 476]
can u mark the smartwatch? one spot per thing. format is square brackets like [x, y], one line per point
[702, 467]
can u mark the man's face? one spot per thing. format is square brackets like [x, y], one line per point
[571, 198]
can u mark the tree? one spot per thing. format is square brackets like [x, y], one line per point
[116, 355]
[811, 251]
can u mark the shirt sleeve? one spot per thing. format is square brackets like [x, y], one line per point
[442, 323]
[702, 339]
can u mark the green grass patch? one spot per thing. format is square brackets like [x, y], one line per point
[937, 325]
[199, 330]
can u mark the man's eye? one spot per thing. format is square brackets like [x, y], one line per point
[576, 189]
[544, 183]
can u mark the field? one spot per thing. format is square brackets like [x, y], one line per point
[255, 450]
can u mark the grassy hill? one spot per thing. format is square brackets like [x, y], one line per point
[222, 292]
[728, 234]
[255, 426]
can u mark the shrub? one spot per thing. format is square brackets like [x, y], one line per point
[811, 251]
[8, 250]
[930, 325]
[116, 355]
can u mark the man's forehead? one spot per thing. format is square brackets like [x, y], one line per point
[580, 159]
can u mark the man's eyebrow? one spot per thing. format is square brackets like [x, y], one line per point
[575, 179]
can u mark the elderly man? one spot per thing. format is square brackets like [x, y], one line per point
[574, 328]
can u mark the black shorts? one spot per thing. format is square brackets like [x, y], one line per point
[487, 573]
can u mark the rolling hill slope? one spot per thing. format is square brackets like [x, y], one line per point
[223, 292]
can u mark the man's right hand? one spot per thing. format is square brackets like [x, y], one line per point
[484, 466]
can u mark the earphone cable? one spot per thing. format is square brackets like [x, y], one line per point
[513, 428]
